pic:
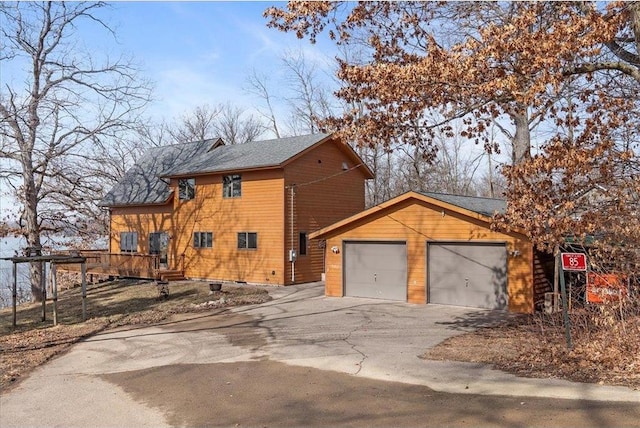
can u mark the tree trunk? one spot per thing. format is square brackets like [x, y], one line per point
[522, 138]
[634, 10]
[34, 242]
[54, 110]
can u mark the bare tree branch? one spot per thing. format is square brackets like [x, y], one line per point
[69, 101]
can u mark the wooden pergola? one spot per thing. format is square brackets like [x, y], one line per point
[53, 261]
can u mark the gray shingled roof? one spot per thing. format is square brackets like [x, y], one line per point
[256, 154]
[142, 184]
[484, 206]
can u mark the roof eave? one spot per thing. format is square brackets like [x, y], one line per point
[345, 148]
[135, 205]
[222, 171]
[139, 204]
[325, 231]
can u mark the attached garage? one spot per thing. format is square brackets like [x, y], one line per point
[464, 274]
[375, 269]
[430, 248]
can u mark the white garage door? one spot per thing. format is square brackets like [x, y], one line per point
[473, 275]
[376, 270]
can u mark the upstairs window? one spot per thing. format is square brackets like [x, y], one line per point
[128, 242]
[247, 240]
[232, 186]
[202, 239]
[187, 188]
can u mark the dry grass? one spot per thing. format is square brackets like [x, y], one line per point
[535, 346]
[109, 304]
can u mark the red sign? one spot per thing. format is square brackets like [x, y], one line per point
[574, 261]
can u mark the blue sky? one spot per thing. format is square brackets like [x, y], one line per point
[202, 52]
[198, 53]
[194, 53]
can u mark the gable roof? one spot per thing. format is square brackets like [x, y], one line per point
[484, 206]
[253, 155]
[142, 184]
[146, 182]
[474, 207]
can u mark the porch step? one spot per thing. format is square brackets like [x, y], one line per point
[171, 275]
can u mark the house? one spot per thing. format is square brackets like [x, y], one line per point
[430, 248]
[234, 212]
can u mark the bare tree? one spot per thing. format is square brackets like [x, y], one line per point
[258, 84]
[308, 98]
[51, 114]
[196, 125]
[234, 126]
[226, 121]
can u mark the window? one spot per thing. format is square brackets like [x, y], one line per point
[232, 186]
[158, 242]
[247, 240]
[128, 242]
[187, 188]
[202, 239]
[303, 244]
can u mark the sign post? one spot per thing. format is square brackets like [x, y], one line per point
[570, 262]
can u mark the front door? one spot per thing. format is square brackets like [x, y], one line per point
[159, 244]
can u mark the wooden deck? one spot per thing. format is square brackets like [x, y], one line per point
[126, 265]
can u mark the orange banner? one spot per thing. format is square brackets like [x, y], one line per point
[605, 288]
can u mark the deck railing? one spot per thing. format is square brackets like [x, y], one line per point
[120, 264]
[131, 261]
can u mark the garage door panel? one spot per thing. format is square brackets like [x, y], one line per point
[375, 270]
[472, 275]
[470, 299]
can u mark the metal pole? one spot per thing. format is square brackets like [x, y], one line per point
[44, 292]
[54, 291]
[83, 269]
[293, 263]
[565, 311]
[14, 293]
[556, 253]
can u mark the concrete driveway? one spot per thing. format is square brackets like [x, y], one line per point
[139, 376]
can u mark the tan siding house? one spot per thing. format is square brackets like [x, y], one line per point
[234, 213]
[430, 248]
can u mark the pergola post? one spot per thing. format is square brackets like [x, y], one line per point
[53, 261]
[14, 293]
[44, 290]
[83, 269]
[54, 291]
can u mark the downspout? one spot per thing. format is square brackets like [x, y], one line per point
[291, 258]
[109, 230]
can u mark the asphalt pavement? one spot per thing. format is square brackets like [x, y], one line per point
[300, 359]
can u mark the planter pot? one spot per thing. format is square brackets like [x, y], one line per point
[215, 286]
